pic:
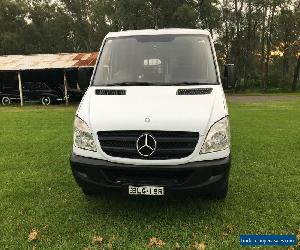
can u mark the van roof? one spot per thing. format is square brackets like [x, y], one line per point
[151, 32]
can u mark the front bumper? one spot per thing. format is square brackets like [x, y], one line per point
[202, 177]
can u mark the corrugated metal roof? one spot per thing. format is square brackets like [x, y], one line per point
[47, 61]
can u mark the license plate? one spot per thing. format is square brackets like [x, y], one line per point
[145, 190]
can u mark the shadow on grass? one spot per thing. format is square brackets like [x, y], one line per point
[154, 209]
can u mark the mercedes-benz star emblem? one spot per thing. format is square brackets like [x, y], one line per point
[146, 145]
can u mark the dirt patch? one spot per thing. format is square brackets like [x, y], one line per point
[260, 98]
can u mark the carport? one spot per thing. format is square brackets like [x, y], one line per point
[48, 68]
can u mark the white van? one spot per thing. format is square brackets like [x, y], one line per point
[154, 119]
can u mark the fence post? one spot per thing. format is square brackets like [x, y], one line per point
[66, 87]
[20, 87]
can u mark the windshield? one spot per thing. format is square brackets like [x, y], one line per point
[156, 60]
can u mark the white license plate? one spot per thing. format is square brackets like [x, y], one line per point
[145, 190]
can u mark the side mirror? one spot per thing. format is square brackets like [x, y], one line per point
[229, 77]
[84, 77]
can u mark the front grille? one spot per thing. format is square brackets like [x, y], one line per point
[169, 144]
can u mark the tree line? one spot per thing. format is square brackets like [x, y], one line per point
[261, 37]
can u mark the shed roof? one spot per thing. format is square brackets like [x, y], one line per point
[47, 61]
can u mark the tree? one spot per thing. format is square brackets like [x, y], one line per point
[261, 37]
[12, 23]
[296, 74]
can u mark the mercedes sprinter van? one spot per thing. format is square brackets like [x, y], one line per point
[154, 119]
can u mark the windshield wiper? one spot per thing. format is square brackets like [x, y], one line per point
[130, 84]
[156, 84]
[189, 83]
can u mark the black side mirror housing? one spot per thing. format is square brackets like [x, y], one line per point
[84, 77]
[229, 77]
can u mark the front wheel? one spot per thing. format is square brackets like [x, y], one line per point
[221, 195]
[46, 100]
[90, 192]
[6, 100]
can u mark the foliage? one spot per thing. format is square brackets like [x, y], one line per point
[261, 37]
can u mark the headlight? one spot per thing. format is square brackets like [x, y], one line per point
[83, 137]
[218, 137]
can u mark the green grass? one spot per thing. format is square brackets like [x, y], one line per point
[261, 93]
[37, 190]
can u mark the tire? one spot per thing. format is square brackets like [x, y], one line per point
[222, 194]
[46, 100]
[89, 192]
[5, 100]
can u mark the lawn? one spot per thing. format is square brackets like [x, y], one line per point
[37, 190]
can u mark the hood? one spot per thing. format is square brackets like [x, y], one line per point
[149, 108]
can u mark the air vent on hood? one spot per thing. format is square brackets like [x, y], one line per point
[110, 92]
[198, 91]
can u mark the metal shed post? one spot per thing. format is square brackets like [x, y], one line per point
[66, 87]
[20, 87]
